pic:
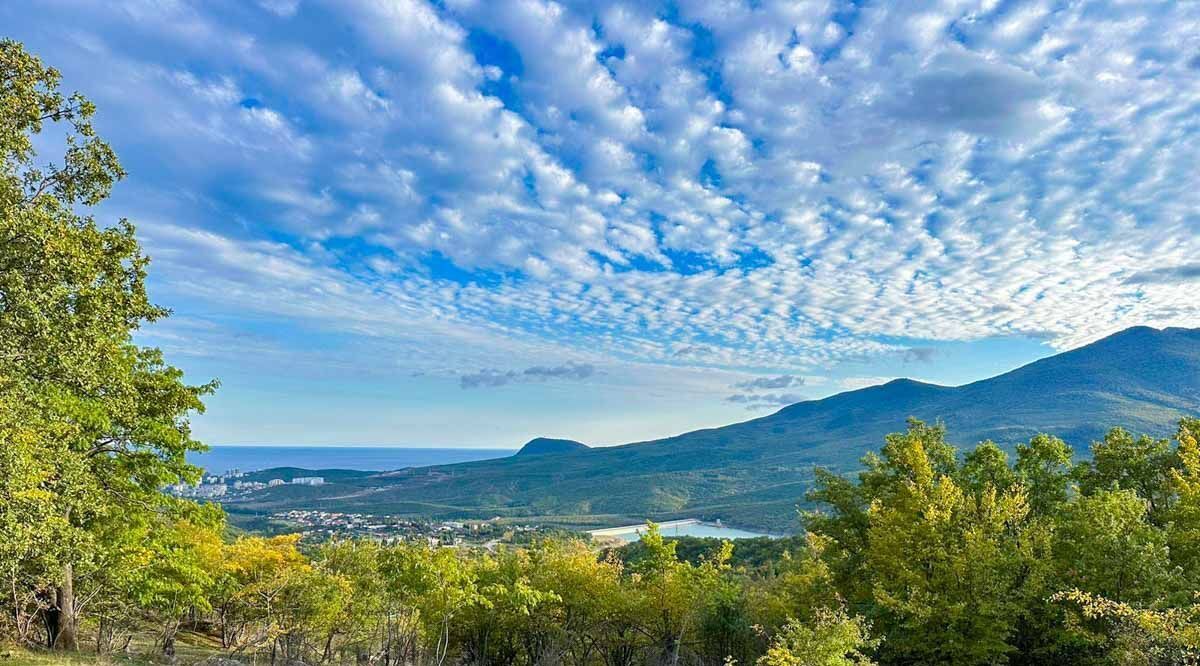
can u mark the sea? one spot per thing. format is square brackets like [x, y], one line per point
[221, 459]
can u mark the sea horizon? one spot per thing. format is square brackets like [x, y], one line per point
[358, 446]
[221, 458]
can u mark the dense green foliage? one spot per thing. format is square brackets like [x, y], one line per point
[927, 556]
[754, 553]
[91, 425]
[752, 474]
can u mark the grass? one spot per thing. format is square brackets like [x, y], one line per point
[13, 656]
[190, 648]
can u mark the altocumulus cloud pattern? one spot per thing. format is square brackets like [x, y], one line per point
[733, 184]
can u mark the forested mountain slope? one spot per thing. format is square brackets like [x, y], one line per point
[754, 473]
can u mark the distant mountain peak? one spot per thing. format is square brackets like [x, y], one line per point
[755, 472]
[1142, 333]
[540, 446]
[905, 381]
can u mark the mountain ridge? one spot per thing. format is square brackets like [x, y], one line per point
[753, 472]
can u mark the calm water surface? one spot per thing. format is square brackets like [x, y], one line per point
[695, 529]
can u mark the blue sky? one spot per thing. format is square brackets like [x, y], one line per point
[469, 222]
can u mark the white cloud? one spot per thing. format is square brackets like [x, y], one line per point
[742, 185]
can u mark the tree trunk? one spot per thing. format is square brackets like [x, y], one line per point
[169, 646]
[170, 631]
[19, 622]
[61, 623]
[328, 648]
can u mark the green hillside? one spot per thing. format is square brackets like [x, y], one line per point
[755, 473]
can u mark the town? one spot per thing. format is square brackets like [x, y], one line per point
[233, 483]
[316, 526]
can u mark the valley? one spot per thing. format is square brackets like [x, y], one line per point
[755, 474]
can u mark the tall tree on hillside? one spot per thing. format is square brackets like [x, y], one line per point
[940, 556]
[1143, 465]
[93, 425]
[1044, 468]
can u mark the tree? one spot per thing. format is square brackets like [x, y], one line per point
[1184, 531]
[803, 585]
[831, 639]
[438, 586]
[942, 557]
[364, 618]
[307, 613]
[103, 423]
[257, 573]
[727, 630]
[986, 468]
[503, 626]
[174, 571]
[920, 452]
[674, 594]
[588, 609]
[34, 534]
[1143, 465]
[1131, 635]
[1044, 468]
[944, 569]
[1106, 546]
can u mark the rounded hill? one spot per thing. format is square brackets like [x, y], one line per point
[541, 446]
